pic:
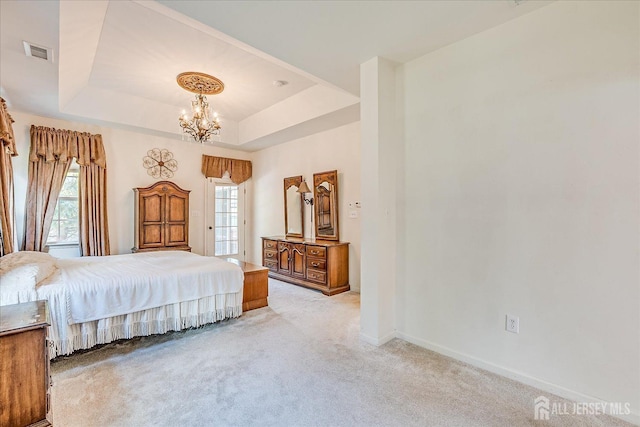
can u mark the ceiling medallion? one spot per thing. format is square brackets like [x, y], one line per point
[201, 83]
[160, 163]
[203, 123]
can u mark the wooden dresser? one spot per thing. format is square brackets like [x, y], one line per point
[24, 364]
[161, 218]
[316, 264]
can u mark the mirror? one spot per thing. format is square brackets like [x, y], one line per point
[293, 207]
[325, 194]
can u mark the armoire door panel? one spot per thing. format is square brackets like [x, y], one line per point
[176, 234]
[152, 209]
[176, 209]
[152, 234]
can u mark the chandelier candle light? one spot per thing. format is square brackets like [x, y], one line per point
[203, 123]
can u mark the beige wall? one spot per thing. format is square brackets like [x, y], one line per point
[522, 198]
[125, 150]
[334, 149]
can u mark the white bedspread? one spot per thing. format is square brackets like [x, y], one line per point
[102, 287]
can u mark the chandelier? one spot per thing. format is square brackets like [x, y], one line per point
[203, 123]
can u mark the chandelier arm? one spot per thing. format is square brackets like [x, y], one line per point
[201, 126]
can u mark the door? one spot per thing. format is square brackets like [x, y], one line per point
[176, 225]
[225, 219]
[152, 219]
[284, 258]
[298, 260]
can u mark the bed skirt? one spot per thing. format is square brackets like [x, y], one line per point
[65, 339]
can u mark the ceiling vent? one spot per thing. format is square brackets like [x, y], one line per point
[36, 51]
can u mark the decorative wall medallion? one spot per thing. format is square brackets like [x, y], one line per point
[160, 163]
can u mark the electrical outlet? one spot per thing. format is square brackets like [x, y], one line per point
[513, 324]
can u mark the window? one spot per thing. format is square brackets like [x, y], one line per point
[65, 225]
[226, 219]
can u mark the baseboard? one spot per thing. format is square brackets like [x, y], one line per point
[378, 341]
[573, 395]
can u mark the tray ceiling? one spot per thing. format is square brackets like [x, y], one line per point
[115, 62]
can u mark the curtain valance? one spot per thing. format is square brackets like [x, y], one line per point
[60, 144]
[215, 167]
[6, 130]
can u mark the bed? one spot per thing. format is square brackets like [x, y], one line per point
[96, 300]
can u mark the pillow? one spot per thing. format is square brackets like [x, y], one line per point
[44, 263]
[18, 284]
[23, 257]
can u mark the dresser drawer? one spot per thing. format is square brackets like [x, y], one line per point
[271, 264]
[271, 255]
[317, 263]
[316, 276]
[270, 244]
[316, 251]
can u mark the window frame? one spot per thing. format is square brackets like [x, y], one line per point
[73, 169]
[210, 214]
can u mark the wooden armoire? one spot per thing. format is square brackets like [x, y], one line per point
[161, 218]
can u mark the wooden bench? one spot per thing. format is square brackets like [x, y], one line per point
[256, 285]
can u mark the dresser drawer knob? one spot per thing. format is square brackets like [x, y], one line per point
[315, 264]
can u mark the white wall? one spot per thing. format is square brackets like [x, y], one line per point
[522, 197]
[381, 154]
[338, 149]
[125, 150]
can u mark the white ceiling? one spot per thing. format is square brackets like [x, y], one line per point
[115, 62]
[140, 51]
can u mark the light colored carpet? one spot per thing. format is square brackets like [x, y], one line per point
[298, 362]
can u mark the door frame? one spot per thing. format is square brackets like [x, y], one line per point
[209, 216]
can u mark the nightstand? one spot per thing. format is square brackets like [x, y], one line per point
[24, 364]
[256, 284]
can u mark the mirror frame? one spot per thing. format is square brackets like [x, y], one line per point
[332, 178]
[288, 182]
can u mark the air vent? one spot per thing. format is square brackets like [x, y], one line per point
[36, 51]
